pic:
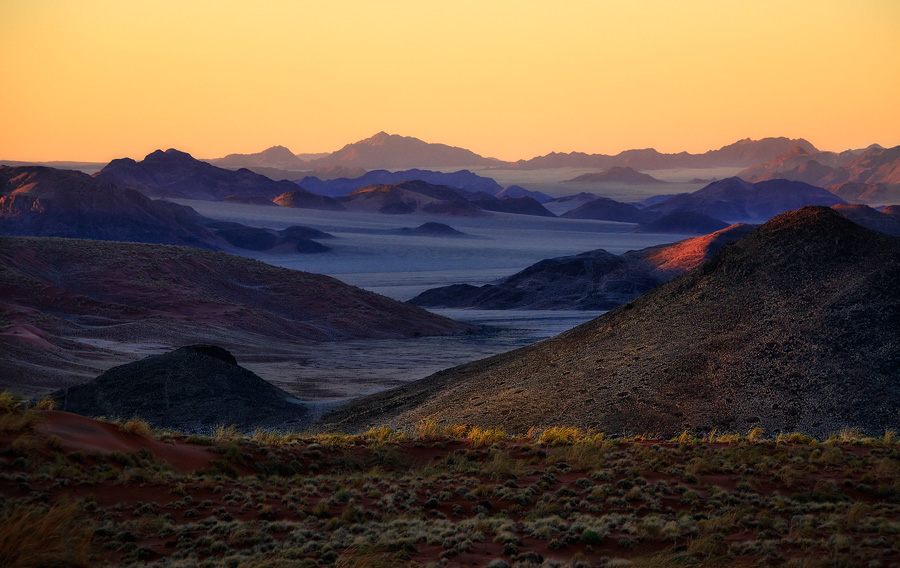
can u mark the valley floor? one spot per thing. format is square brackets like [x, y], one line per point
[79, 492]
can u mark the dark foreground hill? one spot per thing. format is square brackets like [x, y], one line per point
[594, 280]
[193, 388]
[794, 327]
[65, 301]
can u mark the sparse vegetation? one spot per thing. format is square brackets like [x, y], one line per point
[451, 495]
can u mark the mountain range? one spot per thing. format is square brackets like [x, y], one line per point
[392, 151]
[868, 176]
[792, 328]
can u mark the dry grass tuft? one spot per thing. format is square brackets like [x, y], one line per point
[138, 427]
[484, 437]
[32, 536]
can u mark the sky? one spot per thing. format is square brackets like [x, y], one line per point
[93, 80]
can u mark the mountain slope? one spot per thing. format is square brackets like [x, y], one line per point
[40, 201]
[606, 209]
[794, 327]
[65, 299]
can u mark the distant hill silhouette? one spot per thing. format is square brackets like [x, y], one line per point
[792, 328]
[302, 199]
[683, 222]
[462, 179]
[431, 229]
[886, 221]
[735, 200]
[419, 196]
[745, 152]
[274, 157]
[177, 174]
[191, 389]
[519, 191]
[561, 205]
[606, 209]
[617, 175]
[871, 175]
[385, 150]
[594, 280]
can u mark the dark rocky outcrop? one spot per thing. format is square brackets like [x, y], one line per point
[795, 327]
[191, 389]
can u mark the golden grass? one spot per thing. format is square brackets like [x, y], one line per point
[138, 427]
[484, 437]
[31, 536]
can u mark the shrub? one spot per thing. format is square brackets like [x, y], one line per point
[138, 427]
[9, 401]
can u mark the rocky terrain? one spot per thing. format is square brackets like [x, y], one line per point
[792, 328]
[191, 389]
[595, 280]
[72, 305]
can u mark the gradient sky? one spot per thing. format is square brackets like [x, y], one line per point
[95, 80]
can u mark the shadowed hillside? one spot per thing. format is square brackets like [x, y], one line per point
[794, 327]
[65, 299]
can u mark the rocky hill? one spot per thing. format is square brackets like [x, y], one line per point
[191, 389]
[795, 327]
[594, 280]
[683, 223]
[65, 301]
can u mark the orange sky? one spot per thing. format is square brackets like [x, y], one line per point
[94, 80]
